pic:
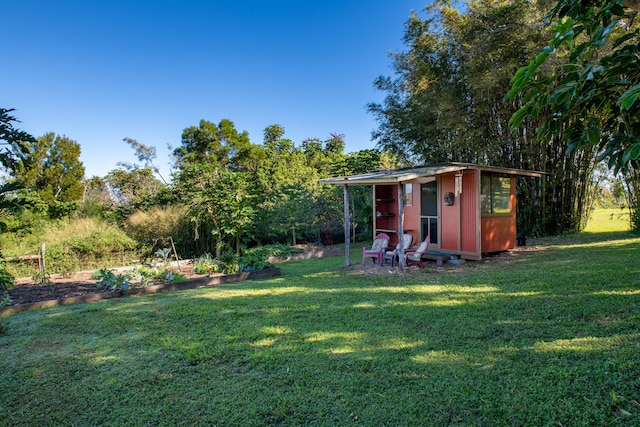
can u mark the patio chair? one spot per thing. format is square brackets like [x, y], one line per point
[379, 246]
[415, 257]
[393, 255]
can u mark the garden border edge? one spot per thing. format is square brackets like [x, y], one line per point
[199, 282]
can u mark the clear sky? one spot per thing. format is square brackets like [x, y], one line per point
[98, 71]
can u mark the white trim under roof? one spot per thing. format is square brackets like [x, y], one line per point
[393, 176]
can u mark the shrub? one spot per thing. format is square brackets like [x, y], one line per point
[6, 281]
[72, 245]
[275, 250]
[206, 264]
[88, 251]
[253, 263]
[253, 260]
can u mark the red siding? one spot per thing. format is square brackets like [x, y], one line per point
[449, 221]
[499, 231]
[412, 216]
[469, 213]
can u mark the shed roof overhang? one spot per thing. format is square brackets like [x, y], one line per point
[394, 176]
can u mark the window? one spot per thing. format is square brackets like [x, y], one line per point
[495, 193]
[408, 194]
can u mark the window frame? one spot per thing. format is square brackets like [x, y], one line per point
[493, 202]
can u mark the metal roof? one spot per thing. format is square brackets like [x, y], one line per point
[393, 176]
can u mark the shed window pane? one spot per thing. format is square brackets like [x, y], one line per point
[495, 193]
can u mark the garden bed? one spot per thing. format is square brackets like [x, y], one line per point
[81, 289]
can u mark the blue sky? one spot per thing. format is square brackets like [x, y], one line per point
[98, 71]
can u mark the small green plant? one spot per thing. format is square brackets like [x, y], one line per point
[206, 264]
[41, 278]
[253, 263]
[6, 281]
[111, 280]
[144, 276]
[163, 255]
[229, 263]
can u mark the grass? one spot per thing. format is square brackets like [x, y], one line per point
[608, 220]
[549, 338]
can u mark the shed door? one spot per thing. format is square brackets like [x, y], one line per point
[429, 211]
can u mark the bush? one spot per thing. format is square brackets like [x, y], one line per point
[71, 245]
[275, 250]
[206, 264]
[253, 260]
[106, 245]
[6, 281]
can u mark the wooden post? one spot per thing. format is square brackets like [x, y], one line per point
[347, 228]
[401, 225]
[42, 250]
[175, 254]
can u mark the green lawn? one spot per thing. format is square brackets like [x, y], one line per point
[606, 220]
[549, 338]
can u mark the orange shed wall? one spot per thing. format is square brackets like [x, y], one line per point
[499, 231]
[459, 230]
[449, 216]
[469, 212]
[412, 216]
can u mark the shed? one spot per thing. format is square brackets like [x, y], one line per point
[465, 209]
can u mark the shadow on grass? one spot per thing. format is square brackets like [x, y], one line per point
[541, 340]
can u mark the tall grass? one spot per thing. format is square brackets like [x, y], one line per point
[153, 227]
[71, 245]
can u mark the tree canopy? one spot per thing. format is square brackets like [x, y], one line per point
[445, 103]
[584, 86]
[591, 95]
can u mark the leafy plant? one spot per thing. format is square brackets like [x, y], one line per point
[163, 255]
[229, 263]
[206, 264]
[6, 281]
[41, 278]
[144, 276]
[111, 280]
[253, 263]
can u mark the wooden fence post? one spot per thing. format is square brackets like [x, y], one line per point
[42, 250]
[175, 254]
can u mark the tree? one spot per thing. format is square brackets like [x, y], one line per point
[219, 201]
[591, 99]
[13, 151]
[286, 187]
[221, 144]
[146, 154]
[53, 172]
[446, 104]
[135, 189]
